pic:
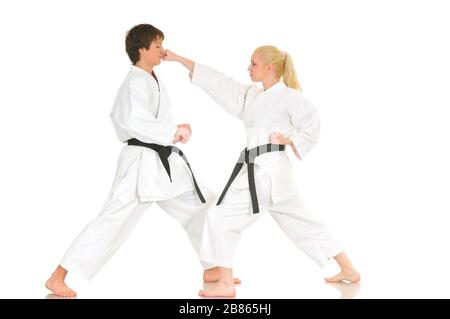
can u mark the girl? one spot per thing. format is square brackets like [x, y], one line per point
[275, 116]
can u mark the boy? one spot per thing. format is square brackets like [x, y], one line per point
[150, 168]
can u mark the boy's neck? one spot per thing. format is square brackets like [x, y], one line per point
[147, 68]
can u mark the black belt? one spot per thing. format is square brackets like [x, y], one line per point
[248, 156]
[164, 153]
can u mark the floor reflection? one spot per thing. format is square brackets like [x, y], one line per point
[348, 290]
[53, 296]
[208, 286]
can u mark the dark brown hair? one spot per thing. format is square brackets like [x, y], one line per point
[141, 36]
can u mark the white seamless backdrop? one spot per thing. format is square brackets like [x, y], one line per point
[378, 71]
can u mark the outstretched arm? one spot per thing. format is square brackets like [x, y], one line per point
[228, 93]
[171, 56]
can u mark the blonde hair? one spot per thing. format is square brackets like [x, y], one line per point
[282, 61]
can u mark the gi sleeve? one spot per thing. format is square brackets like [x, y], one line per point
[228, 93]
[305, 120]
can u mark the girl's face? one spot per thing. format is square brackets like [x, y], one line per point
[258, 71]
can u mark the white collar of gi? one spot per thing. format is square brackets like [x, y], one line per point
[276, 87]
[139, 70]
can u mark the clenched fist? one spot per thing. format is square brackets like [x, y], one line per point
[183, 133]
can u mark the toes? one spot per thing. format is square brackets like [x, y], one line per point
[336, 278]
[343, 277]
[204, 293]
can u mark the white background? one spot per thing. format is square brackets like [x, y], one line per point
[378, 71]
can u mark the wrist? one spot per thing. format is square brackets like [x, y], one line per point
[179, 59]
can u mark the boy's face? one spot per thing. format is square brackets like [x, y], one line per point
[153, 55]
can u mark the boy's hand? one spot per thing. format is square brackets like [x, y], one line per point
[183, 133]
[186, 126]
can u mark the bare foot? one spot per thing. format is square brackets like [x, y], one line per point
[212, 275]
[219, 290]
[351, 276]
[59, 287]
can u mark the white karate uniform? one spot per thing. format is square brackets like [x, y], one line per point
[281, 109]
[141, 110]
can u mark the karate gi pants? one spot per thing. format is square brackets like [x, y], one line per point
[101, 238]
[227, 221]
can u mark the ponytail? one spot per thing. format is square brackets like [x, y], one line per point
[289, 74]
[282, 62]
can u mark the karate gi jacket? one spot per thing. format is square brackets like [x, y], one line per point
[279, 108]
[142, 110]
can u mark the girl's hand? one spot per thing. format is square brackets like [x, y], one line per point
[278, 138]
[170, 56]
